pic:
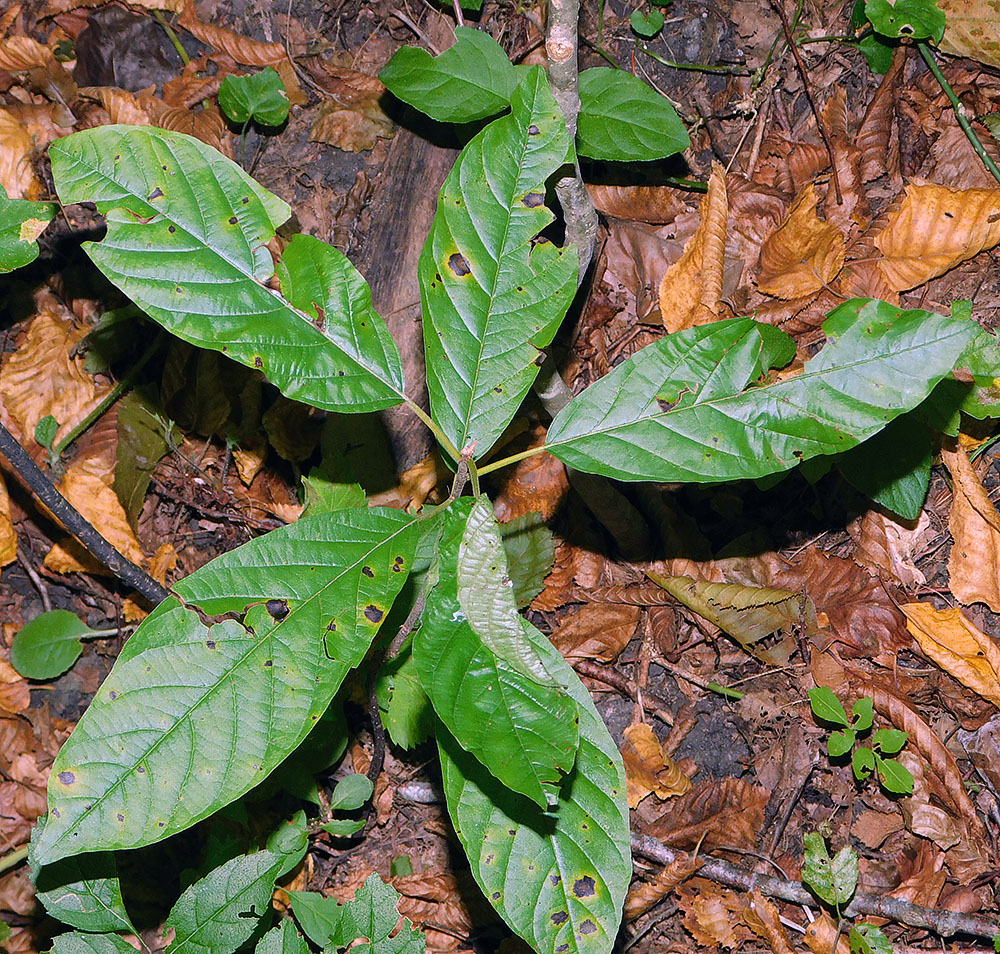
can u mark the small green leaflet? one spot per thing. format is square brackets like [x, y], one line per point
[833, 880]
[840, 743]
[624, 120]
[894, 776]
[913, 19]
[863, 713]
[351, 792]
[471, 80]
[187, 241]
[46, 430]
[233, 699]
[48, 645]
[646, 24]
[260, 97]
[493, 297]
[21, 222]
[558, 878]
[826, 706]
[665, 414]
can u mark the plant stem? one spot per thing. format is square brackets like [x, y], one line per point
[442, 438]
[13, 858]
[474, 477]
[734, 70]
[172, 36]
[959, 109]
[513, 459]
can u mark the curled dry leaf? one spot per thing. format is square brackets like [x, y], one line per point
[8, 536]
[877, 136]
[14, 695]
[974, 561]
[122, 106]
[537, 484]
[820, 935]
[164, 562]
[924, 878]
[959, 648]
[644, 894]
[55, 7]
[761, 916]
[983, 747]
[872, 827]
[415, 484]
[803, 254]
[690, 290]
[888, 546]
[573, 565]
[648, 769]
[596, 631]
[713, 915]
[935, 229]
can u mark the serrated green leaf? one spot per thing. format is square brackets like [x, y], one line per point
[889, 741]
[283, 939]
[863, 762]
[493, 297]
[833, 880]
[351, 792]
[407, 713]
[863, 714]
[217, 914]
[76, 943]
[894, 776]
[48, 645]
[232, 700]
[530, 555]
[913, 19]
[622, 119]
[840, 742]
[868, 939]
[187, 241]
[558, 877]
[471, 80]
[646, 24]
[877, 52]
[480, 669]
[21, 222]
[260, 96]
[650, 418]
[826, 706]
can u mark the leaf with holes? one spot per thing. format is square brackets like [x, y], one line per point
[187, 241]
[558, 878]
[668, 413]
[482, 674]
[21, 222]
[913, 19]
[191, 717]
[493, 293]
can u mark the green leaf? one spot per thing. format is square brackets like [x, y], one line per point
[840, 743]
[141, 444]
[996, 943]
[894, 776]
[624, 120]
[5, 931]
[343, 827]
[471, 80]
[217, 914]
[868, 939]
[889, 741]
[187, 241]
[260, 97]
[351, 792]
[558, 877]
[76, 943]
[46, 430]
[323, 495]
[492, 297]
[21, 222]
[530, 555]
[914, 19]
[232, 700]
[863, 714]
[863, 763]
[894, 466]
[646, 24]
[833, 880]
[826, 706]
[407, 713]
[480, 668]
[667, 414]
[48, 645]
[316, 915]
[283, 939]
[877, 52]
[401, 867]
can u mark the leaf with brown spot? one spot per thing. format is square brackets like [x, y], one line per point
[973, 30]
[974, 561]
[690, 290]
[820, 935]
[803, 254]
[648, 768]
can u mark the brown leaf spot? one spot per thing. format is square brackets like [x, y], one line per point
[555, 879]
[373, 613]
[277, 609]
[67, 778]
[588, 927]
[210, 643]
[233, 220]
[120, 817]
[533, 130]
[560, 917]
[157, 193]
[533, 200]
[458, 264]
[368, 571]
[258, 362]
[584, 887]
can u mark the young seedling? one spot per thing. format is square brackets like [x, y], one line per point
[259, 98]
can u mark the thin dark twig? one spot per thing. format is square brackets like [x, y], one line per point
[780, 10]
[71, 518]
[378, 735]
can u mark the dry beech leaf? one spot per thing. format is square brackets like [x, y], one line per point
[249, 457]
[935, 229]
[55, 7]
[690, 290]
[350, 116]
[122, 106]
[729, 813]
[888, 546]
[959, 648]
[596, 631]
[761, 916]
[644, 894]
[16, 174]
[820, 935]
[848, 209]
[416, 484]
[803, 254]
[8, 536]
[656, 205]
[974, 561]
[712, 915]
[648, 769]
[22, 53]
[193, 85]
[925, 878]
[973, 30]
[537, 484]
[164, 561]
[872, 828]
[132, 612]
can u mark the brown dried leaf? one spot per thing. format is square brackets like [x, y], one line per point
[935, 229]
[16, 174]
[888, 546]
[690, 290]
[729, 813]
[804, 254]
[974, 561]
[872, 828]
[573, 565]
[712, 915]
[415, 485]
[537, 484]
[644, 894]
[648, 769]
[973, 30]
[959, 648]
[596, 631]
[820, 936]
[14, 695]
[55, 7]
[761, 916]
[656, 205]
[350, 117]
[8, 536]
[193, 85]
[21, 52]
[164, 562]
[877, 137]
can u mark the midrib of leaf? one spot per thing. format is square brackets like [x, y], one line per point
[282, 302]
[228, 677]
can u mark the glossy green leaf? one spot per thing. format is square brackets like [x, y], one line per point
[187, 241]
[827, 707]
[493, 297]
[894, 776]
[480, 669]
[530, 555]
[646, 24]
[343, 827]
[351, 792]
[471, 80]
[323, 495]
[833, 880]
[231, 700]
[863, 714]
[558, 878]
[622, 119]
[840, 742]
[912, 19]
[48, 645]
[21, 222]
[863, 762]
[283, 939]
[260, 97]
[665, 414]
[889, 741]
[76, 943]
